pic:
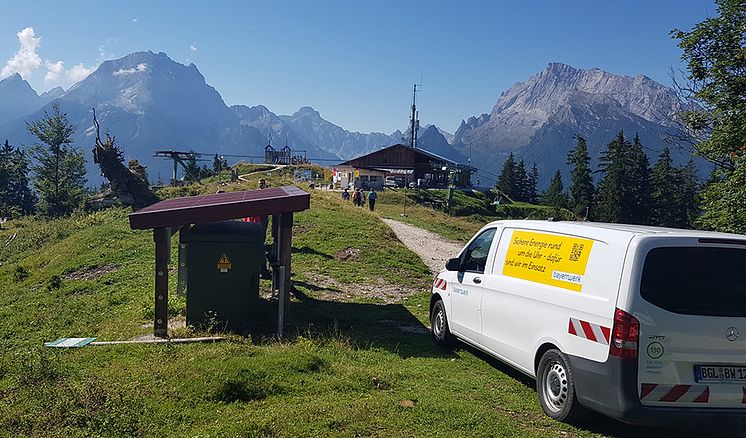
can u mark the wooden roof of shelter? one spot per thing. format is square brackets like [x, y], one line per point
[399, 156]
[221, 206]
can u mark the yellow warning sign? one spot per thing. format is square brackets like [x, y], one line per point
[548, 259]
[357, 173]
[224, 263]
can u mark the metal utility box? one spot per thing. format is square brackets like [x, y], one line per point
[219, 263]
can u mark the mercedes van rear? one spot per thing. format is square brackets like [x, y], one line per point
[678, 347]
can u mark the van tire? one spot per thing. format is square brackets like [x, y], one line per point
[555, 386]
[439, 325]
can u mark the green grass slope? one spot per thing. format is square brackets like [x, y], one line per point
[358, 361]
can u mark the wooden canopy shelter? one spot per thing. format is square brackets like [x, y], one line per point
[167, 217]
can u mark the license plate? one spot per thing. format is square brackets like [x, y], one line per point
[719, 373]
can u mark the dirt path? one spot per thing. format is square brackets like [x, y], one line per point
[432, 248]
[277, 166]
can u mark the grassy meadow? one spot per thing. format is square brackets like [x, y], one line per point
[358, 360]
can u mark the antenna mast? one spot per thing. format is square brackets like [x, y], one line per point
[414, 122]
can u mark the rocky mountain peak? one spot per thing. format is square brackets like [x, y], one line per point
[52, 94]
[307, 111]
[18, 98]
[538, 118]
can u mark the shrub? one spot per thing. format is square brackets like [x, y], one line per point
[20, 274]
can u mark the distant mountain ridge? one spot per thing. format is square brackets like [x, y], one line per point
[151, 102]
[17, 98]
[537, 119]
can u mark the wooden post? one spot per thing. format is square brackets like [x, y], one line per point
[162, 238]
[281, 306]
[275, 250]
[286, 237]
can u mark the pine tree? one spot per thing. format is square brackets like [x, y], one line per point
[664, 212]
[507, 183]
[624, 192]
[16, 197]
[219, 164]
[60, 167]
[690, 194]
[193, 171]
[521, 179]
[555, 195]
[533, 180]
[611, 189]
[674, 193]
[581, 182]
[639, 175]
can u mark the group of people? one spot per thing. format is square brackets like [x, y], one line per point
[359, 197]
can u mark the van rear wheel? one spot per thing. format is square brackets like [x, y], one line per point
[439, 324]
[555, 386]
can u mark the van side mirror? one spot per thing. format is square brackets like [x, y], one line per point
[453, 264]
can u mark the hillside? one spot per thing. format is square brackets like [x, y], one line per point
[358, 360]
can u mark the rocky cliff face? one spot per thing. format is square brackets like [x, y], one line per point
[538, 119]
[18, 99]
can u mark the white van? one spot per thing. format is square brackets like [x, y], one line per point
[643, 324]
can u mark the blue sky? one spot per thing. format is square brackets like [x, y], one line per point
[354, 61]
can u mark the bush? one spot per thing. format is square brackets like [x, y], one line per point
[20, 274]
[55, 282]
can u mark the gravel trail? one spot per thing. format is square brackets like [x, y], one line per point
[432, 248]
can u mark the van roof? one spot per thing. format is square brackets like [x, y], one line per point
[602, 229]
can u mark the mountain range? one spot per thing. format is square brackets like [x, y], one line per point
[538, 119]
[150, 102]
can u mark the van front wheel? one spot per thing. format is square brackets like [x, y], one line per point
[439, 324]
[555, 386]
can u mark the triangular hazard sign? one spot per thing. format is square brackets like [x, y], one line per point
[224, 263]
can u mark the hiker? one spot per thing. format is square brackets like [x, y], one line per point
[345, 195]
[356, 198]
[362, 198]
[372, 199]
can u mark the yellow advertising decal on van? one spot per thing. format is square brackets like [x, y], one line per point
[548, 259]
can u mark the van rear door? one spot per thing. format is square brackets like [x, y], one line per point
[691, 306]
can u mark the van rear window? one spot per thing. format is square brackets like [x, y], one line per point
[696, 280]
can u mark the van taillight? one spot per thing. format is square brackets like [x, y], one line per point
[625, 336]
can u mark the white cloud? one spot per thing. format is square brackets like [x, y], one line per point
[54, 70]
[79, 72]
[134, 20]
[128, 71]
[26, 59]
[193, 47]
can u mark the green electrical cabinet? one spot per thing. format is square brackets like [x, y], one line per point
[219, 266]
